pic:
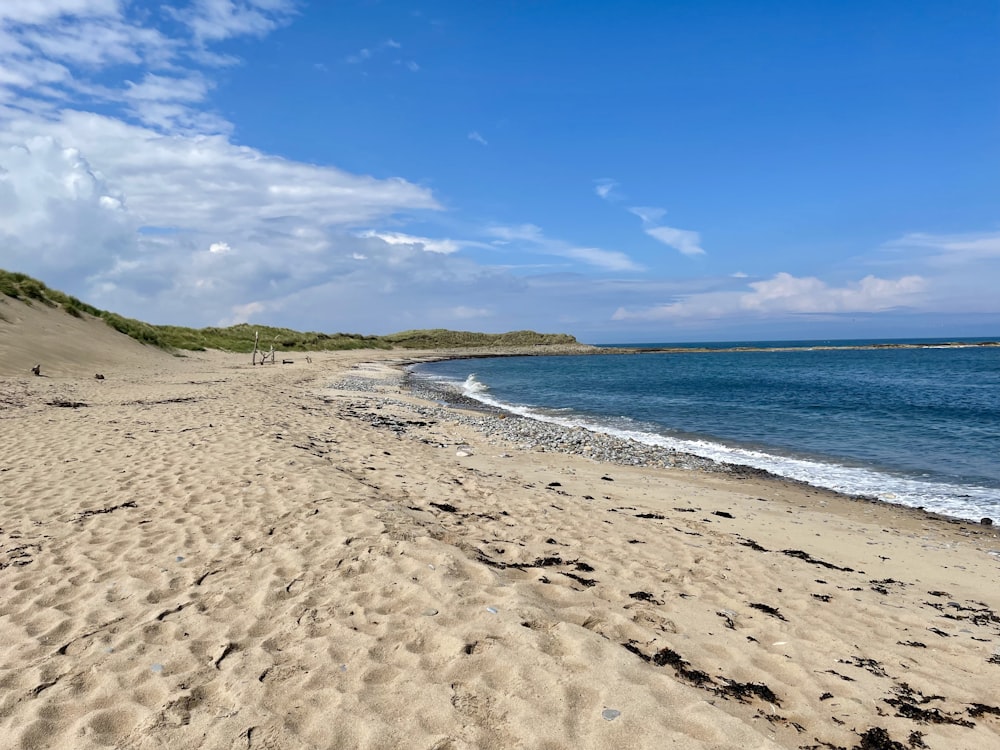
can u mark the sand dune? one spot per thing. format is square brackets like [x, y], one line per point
[206, 554]
[62, 344]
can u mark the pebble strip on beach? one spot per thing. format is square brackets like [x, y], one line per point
[506, 429]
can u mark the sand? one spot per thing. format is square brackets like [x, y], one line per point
[204, 554]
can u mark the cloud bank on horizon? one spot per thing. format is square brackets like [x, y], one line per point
[374, 168]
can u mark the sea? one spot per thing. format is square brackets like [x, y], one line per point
[904, 421]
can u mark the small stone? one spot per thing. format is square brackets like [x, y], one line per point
[157, 668]
[610, 714]
[491, 610]
[987, 521]
[429, 612]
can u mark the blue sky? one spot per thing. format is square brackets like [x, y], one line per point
[629, 171]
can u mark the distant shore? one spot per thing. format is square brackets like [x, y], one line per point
[558, 350]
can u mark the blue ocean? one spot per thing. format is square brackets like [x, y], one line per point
[915, 426]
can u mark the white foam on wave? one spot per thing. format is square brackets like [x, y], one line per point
[960, 501]
[473, 388]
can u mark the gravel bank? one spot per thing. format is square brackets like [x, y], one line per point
[504, 429]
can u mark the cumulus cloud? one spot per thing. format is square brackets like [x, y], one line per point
[133, 211]
[787, 295]
[58, 212]
[207, 182]
[142, 208]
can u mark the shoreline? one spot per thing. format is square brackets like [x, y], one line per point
[203, 553]
[649, 455]
[559, 350]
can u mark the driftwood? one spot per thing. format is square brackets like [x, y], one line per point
[265, 357]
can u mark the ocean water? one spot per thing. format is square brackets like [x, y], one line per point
[914, 426]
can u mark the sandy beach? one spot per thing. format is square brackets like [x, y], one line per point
[198, 553]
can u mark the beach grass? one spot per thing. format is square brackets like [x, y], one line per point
[240, 338]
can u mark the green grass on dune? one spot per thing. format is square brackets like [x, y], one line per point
[240, 338]
[436, 338]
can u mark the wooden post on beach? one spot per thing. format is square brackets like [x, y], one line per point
[264, 357]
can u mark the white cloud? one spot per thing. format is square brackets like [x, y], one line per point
[133, 211]
[56, 210]
[127, 208]
[243, 313]
[610, 260]
[526, 232]
[532, 236]
[95, 44]
[785, 295]
[192, 88]
[367, 54]
[164, 102]
[444, 246]
[648, 214]
[360, 56]
[64, 50]
[475, 136]
[214, 20]
[683, 240]
[952, 249]
[463, 312]
[606, 188]
[41, 11]
[209, 183]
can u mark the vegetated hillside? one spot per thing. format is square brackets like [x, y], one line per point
[437, 338]
[240, 338]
